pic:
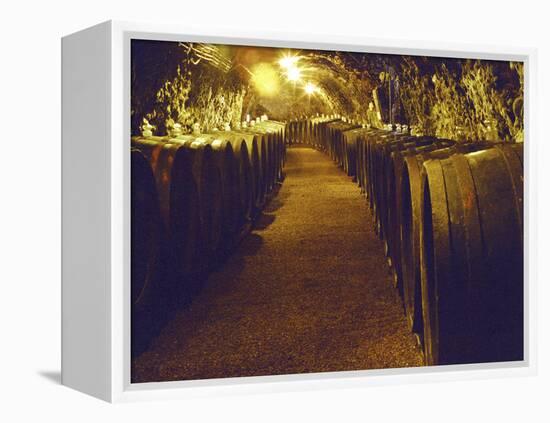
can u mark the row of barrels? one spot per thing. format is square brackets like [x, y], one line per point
[192, 197]
[451, 217]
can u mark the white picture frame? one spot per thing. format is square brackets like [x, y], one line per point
[96, 222]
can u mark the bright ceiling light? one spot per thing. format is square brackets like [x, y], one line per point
[290, 65]
[288, 61]
[293, 74]
[310, 88]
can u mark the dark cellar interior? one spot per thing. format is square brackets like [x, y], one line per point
[305, 211]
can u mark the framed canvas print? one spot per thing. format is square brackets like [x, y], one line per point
[254, 212]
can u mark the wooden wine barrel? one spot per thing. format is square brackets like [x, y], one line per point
[279, 156]
[310, 134]
[244, 174]
[343, 156]
[382, 155]
[209, 183]
[409, 210]
[314, 126]
[352, 158]
[307, 132]
[180, 211]
[377, 136]
[264, 139]
[331, 129]
[147, 283]
[392, 158]
[364, 143]
[276, 141]
[146, 234]
[271, 162]
[279, 150]
[472, 257]
[210, 192]
[323, 135]
[253, 142]
[272, 165]
[379, 145]
[228, 168]
[287, 131]
[302, 131]
[361, 162]
[336, 141]
[276, 148]
[297, 132]
[292, 131]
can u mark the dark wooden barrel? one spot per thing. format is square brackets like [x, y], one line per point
[361, 162]
[244, 174]
[346, 149]
[302, 131]
[146, 233]
[336, 147]
[271, 162]
[148, 287]
[279, 155]
[392, 159]
[331, 129]
[292, 130]
[179, 204]
[472, 257]
[267, 172]
[253, 142]
[264, 183]
[298, 133]
[276, 147]
[313, 132]
[377, 136]
[208, 178]
[353, 163]
[228, 168]
[287, 132]
[324, 134]
[381, 155]
[409, 211]
[380, 145]
[279, 150]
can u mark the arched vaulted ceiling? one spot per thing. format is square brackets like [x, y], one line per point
[213, 85]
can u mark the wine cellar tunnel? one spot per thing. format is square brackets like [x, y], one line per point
[315, 211]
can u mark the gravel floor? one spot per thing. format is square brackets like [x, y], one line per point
[307, 291]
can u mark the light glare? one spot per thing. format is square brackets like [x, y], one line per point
[288, 61]
[310, 88]
[293, 74]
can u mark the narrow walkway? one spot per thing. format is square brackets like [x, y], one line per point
[307, 291]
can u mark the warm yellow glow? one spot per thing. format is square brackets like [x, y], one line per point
[290, 65]
[288, 61]
[293, 74]
[265, 79]
[310, 88]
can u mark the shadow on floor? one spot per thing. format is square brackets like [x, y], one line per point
[54, 376]
[276, 201]
[263, 221]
